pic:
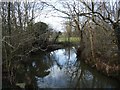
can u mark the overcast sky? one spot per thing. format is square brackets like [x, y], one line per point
[55, 22]
[49, 16]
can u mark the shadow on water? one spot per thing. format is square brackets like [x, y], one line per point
[61, 69]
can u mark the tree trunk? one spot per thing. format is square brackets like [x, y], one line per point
[116, 28]
[9, 24]
[91, 43]
[14, 17]
[20, 16]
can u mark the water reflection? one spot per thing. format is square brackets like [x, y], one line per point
[34, 66]
[62, 69]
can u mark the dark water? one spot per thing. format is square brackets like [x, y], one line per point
[61, 69]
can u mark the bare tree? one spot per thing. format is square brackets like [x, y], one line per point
[16, 38]
[110, 15]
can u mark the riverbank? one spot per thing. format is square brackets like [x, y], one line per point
[31, 71]
[101, 64]
[21, 58]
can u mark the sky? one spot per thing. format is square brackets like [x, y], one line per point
[55, 22]
[50, 17]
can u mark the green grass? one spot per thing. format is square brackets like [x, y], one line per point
[72, 39]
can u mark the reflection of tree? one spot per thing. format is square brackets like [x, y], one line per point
[36, 66]
[67, 52]
[86, 77]
[55, 60]
[80, 74]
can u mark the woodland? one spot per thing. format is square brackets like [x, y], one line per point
[93, 27]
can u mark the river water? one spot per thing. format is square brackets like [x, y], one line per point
[62, 69]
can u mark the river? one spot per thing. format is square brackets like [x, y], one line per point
[62, 69]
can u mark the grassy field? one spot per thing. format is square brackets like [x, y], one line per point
[72, 39]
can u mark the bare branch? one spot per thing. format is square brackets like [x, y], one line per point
[8, 44]
[64, 12]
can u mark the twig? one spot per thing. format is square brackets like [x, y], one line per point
[8, 44]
